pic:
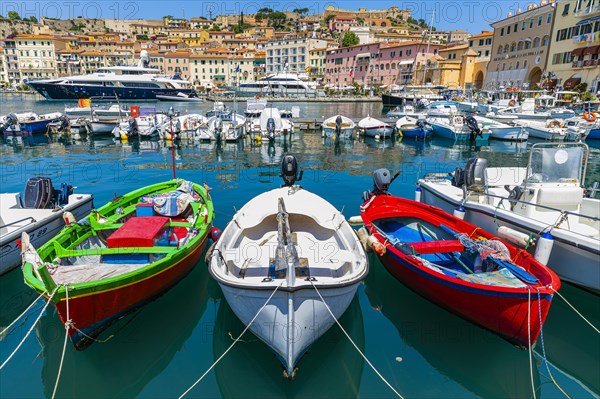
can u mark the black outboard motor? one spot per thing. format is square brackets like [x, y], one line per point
[473, 127]
[290, 171]
[338, 125]
[271, 128]
[38, 193]
[10, 120]
[474, 173]
[218, 131]
[64, 123]
[132, 127]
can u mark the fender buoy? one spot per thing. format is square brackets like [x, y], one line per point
[512, 102]
[215, 233]
[554, 123]
[589, 116]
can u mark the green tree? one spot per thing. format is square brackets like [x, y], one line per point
[14, 16]
[329, 18]
[277, 19]
[33, 19]
[350, 39]
[264, 10]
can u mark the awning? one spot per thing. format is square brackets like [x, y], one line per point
[363, 55]
[406, 62]
[219, 77]
[578, 52]
[571, 82]
[591, 50]
[588, 21]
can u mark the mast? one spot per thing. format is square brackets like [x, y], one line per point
[428, 43]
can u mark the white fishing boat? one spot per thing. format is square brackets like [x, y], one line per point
[111, 112]
[372, 127]
[542, 207]
[502, 131]
[286, 260]
[403, 110]
[591, 125]
[145, 123]
[339, 126]
[39, 213]
[270, 124]
[226, 126]
[99, 128]
[552, 130]
[538, 108]
[458, 128]
[182, 126]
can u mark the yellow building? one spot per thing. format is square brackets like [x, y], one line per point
[482, 45]
[191, 37]
[575, 45]
[316, 60]
[520, 47]
[453, 67]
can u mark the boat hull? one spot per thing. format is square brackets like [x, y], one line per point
[39, 232]
[93, 313]
[544, 134]
[512, 133]
[448, 133]
[571, 260]
[292, 320]
[52, 91]
[381, 131]
[415, 133]
[504, 313]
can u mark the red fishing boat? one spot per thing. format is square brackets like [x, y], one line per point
[459, 266]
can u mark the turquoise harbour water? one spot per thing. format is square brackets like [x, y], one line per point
[161, 350]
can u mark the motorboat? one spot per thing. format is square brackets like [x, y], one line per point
[552, 130]
[270, 124]
[225, 126]
[457, 265]
[125, 82]
[28, 123]
[538, 108]
[372, 127]
[181, 97]
[533, 207]
[502, 131]
[254, 106]
[39, 212]
[459, 128]
[339, 126]
[144, 122]
[289, 265]
[183, 126]
[589, 123]
[413, 128]
[403, 110]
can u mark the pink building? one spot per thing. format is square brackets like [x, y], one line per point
[341, 23]
[380, 64]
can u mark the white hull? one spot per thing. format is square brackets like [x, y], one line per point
[345, 133]
[545, 134]
[47, 224]
[292, 321]
[513, 133]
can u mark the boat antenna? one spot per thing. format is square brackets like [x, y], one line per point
[171, 114]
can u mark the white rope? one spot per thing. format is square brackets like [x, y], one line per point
[354, 344]
[21, 315]
[30, 330]
[529, 340]
[544, 347]
[67, 326]
[576, 311]
[234, 342]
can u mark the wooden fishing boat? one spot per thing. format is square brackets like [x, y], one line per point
[339, 126]
[461, 267]
[121, 256]
[288, 287]
[375, 128]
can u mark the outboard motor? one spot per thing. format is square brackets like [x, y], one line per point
[382, 179]
[132, 127]
[421, 123]
[473, 127]
[38, 193]
[338, 125]
[61, 197]
[64, 123]
[10, 120]
[218, 128]
[290, 171]
[474, 173]
[271, 128]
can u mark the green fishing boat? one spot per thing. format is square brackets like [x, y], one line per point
[123, 255]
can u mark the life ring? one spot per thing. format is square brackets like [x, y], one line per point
[554, 123]
[185, 124]
[589, 116]
[512, 102]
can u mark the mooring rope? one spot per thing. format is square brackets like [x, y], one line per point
[21, 315]
[354, 344]
[529, 340]
[68, 324]
[544, 348]
[576, 311]
[233, 343]
[31, 329]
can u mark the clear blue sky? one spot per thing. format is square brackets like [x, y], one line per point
[470, 15]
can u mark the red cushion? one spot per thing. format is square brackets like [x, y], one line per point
[138, 232]
[436, 247]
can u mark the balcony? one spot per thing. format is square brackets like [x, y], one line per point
[577, 64]
[590, 63]
[585, 11]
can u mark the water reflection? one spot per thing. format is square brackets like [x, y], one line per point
[145, 343]
[332, 367]
[15, 296]
[479, 361]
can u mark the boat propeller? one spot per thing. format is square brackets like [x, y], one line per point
[290, 171]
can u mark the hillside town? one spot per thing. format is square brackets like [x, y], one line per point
[551, 44]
